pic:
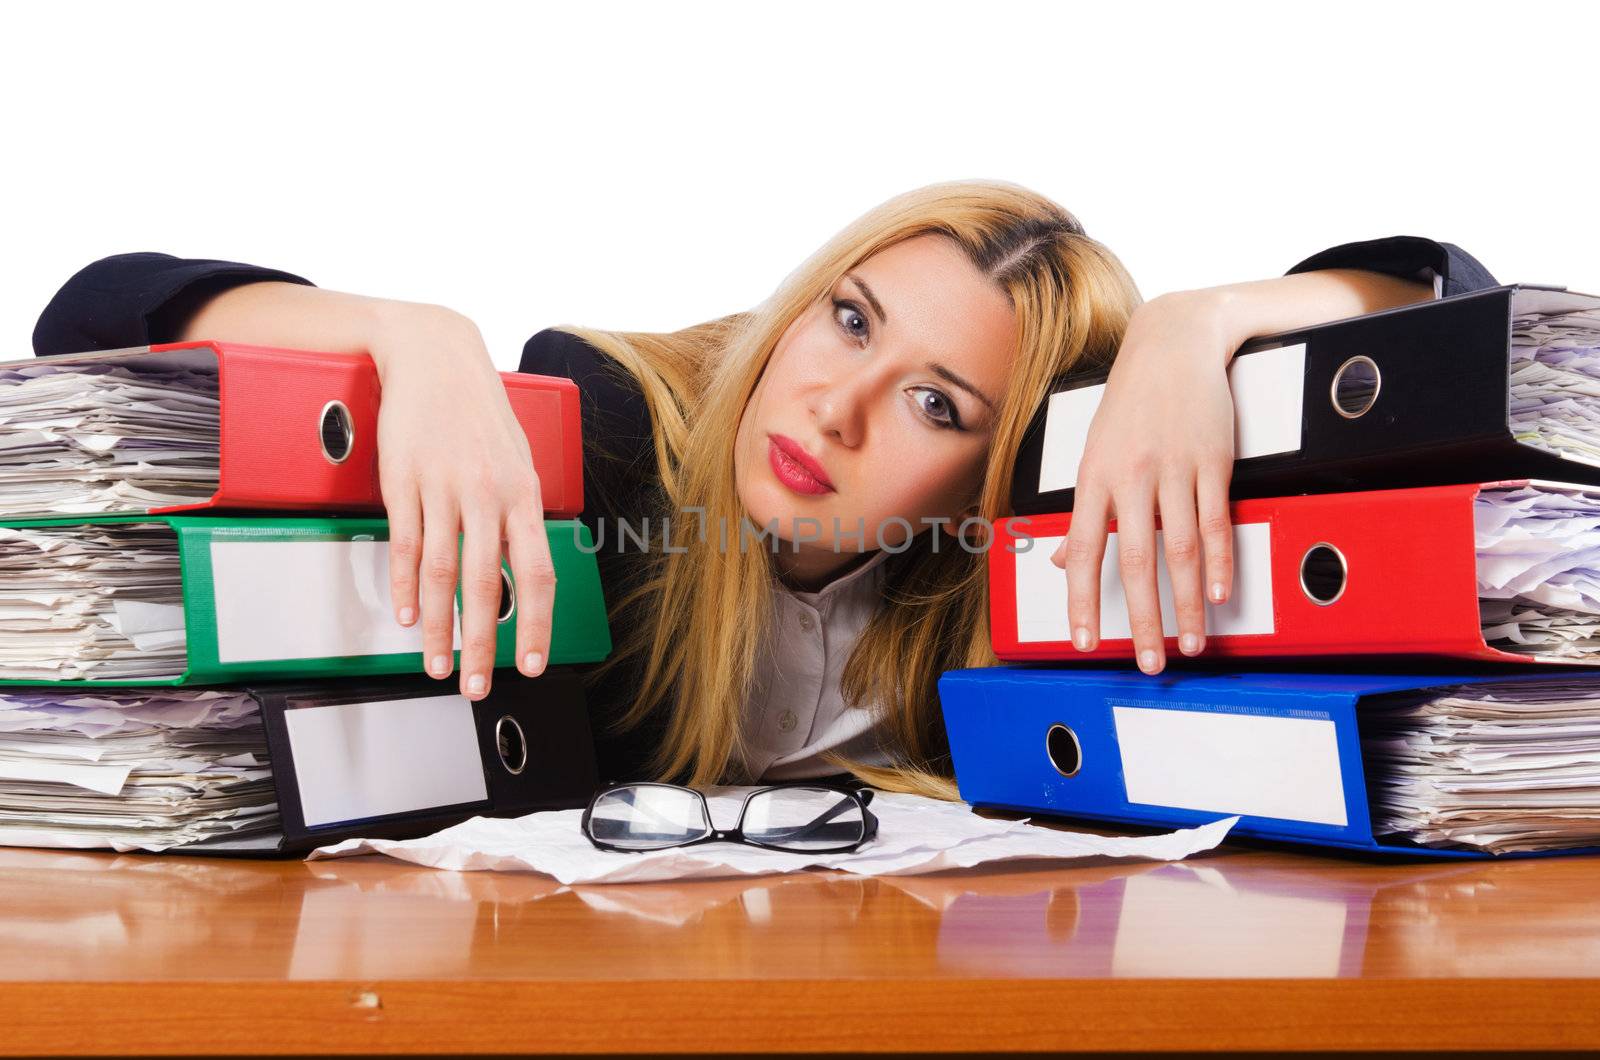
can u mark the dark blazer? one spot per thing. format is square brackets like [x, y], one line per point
[147, 298]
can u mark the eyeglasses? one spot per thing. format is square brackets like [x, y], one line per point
[799, 818]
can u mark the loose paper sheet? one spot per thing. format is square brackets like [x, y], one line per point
[915, 835]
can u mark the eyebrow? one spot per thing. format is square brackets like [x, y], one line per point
[950, 377]
[872, 299]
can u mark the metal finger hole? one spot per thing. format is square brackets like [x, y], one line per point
[511, 744]
[1062, 748]
[1323, 574]
[1355, 387]
[336, 431]
[508, 598]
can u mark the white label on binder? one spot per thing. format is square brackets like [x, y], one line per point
[1042, 591]
[1226, 763]
[1268, 391]
[354, 761]
[306, 600]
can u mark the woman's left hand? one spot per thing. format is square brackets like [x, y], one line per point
[1160, 446]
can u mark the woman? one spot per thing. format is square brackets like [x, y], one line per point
[862, 413]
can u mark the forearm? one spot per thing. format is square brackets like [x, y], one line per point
[1241, 311]
[295, 316]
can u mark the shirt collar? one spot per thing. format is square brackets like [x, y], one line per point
[868, 572]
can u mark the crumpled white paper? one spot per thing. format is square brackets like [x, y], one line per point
[1539, 569]
[915, 835]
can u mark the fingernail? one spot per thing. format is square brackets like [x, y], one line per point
[476, 684]
[440, 665]
[1188, 644]
[407, 616]
[1217, 592]
[1080, 638]
[1147, 661]
[533, 662]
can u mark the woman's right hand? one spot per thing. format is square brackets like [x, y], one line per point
[453, 463]
[455, 467]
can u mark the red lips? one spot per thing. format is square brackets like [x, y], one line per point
[800, 460]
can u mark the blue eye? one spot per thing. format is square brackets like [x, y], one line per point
[851, 320]
[938, 409]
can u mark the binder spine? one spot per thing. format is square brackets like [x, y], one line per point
[1382, 573]
[580, 630]
[282, 414]
[358, 605]
[1008, 736]
[1438, 374]
[1439, 371]
[1082, 749]
[531, 736]
[299, 432]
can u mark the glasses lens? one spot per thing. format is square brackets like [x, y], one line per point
[645, 817]
[803, 818]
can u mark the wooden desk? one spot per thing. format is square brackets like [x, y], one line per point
[1242, 949]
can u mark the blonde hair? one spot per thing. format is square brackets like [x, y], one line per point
[704, 613]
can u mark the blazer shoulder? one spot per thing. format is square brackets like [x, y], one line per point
[551, 350]
[608, 392]
[618, 439]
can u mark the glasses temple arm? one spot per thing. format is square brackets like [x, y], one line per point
[814, 825]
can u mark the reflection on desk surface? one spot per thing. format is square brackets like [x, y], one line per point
[78, 916]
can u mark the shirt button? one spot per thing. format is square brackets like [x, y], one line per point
[806, 623]
[787, 721]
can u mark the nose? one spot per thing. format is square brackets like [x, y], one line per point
[840, 407]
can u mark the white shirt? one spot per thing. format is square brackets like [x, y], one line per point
[795, 711]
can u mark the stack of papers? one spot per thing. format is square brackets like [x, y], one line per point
[93, 437]
[132, 770]
[90, 602]
[1500, 766]
[1539, 570]
[1555, 383]
[915, 834]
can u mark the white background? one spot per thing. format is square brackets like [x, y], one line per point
[651, 165]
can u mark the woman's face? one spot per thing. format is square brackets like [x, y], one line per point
[878, 403]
